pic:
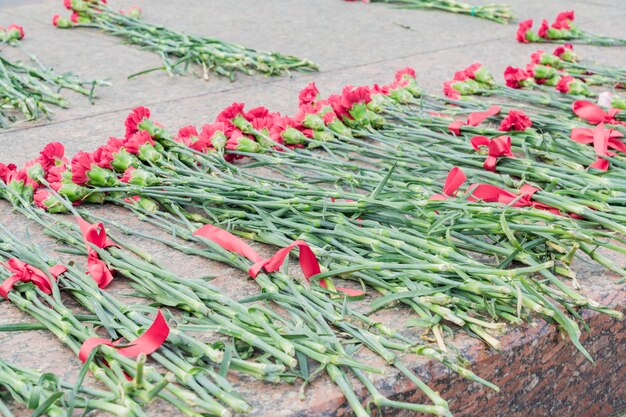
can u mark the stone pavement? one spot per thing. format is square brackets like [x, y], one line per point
[539, 373]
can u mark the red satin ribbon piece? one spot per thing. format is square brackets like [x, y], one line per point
[27, 273]
[96, 235]
[594, 114]
[148, 342]
[490, 193]
[456, 177]
[602, 140]
[497, 147]
[308, 261]
[474, 119]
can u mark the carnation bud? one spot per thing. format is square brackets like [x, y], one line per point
[358, 111]
[218, 140]
[293, 136]
[101, 177]
[569, 56]
[553, 61]
[72, 192]
[376, 104]
[148, 204]
[153, 130]
[247, 145]
[313, 121]
[401, 95]
[61, 22]
[149, 153]
[323, 136]
[142, 178]
[544, 72]
[122, 160]
[340, 128]
[36, 172]
[551, 82]
[242, 124]
[483, 75]
[49, 202]
[555, 34]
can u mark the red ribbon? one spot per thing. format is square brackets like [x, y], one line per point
[497, 147]
[490, 193]
[27, 273]
[308, 261]
[602, 140]
[96, 235]
[474, 119]
[594, 114]
[456, 177]
[148, 342]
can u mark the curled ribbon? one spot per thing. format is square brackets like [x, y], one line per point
[474, 119]
[497, 147]
[490, 193]
[96, 235]
[593, 113]
[27, 273]
[602, 140]
[148, 342]
[308, 261]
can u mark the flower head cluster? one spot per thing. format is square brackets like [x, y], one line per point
[562, 28]
[472, 80]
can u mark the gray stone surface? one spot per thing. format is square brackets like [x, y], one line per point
[353, 43]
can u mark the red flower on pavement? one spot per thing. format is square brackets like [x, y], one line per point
[135, 141]
[5, 171]
[229, 113]
[543, 29]
[516, 120]
[563, 51]
[134, 118]
[450, 91]
[515, 76]
[128, 174]
[564, 84]
[40, 197]
[18, 30]
[81, 164]
[308, 95]
[187, 135]
[563, 20]
[522, 29]
[405, 72]
[102, 156]
[51, 154]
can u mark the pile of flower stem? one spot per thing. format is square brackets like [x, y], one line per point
[30, 89]
[501, 13]
[180, 50]
[46, 393]
[286, 339]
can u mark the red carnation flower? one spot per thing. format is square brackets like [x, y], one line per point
[522, 29]
[229, 113]
[450, 91]
[40, 197]
[136, 140]
[103, 156]
[352, 95]
[55, 173]
[81, 164]
[543, 29]
[18, 29]
[257, 112]
[564, 84]
[563, 20]
[515, 76]
[516, 120]
[471, 70]
[50, 154]
[5, 171]
[128, 174]
[134, 118]
[308, 95]
[67, 4]
[187, 135]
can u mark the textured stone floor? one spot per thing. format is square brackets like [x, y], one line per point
[353, 43]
